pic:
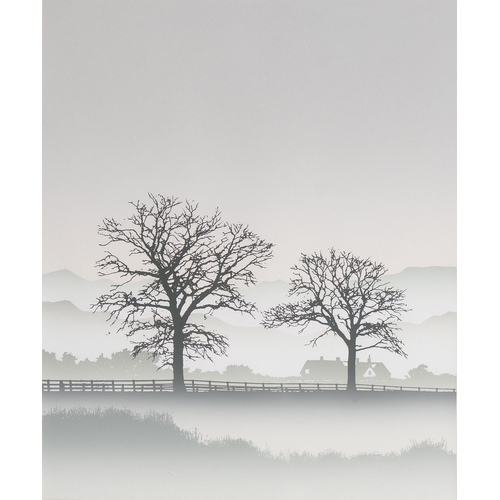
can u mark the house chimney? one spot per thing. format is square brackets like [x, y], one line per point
[321, 358]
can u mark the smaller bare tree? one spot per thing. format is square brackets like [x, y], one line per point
[347, 296]
[187, 263]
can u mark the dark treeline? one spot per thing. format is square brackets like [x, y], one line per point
[421, 376]
[121, 365]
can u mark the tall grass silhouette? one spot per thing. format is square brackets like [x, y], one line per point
[104, 454]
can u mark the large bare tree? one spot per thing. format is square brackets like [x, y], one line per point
[184, 263]
[347, 296]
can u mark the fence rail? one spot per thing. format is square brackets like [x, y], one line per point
[216, 386]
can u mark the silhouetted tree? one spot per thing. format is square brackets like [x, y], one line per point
[86, 368]
[68, 363]
[133, 366]
[421, 371]
[346, 295]
[189, 263]
[51, 366]
[421, 376]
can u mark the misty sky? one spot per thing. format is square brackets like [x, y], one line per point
[318, 123]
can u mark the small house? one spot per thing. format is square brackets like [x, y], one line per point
[335, 370]
[318, 370]
[371, 372]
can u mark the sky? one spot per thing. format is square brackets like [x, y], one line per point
[319, 124]
[21, 151]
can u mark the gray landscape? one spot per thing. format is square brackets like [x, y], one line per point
[295, 443]
[249, 276]
[429, 330]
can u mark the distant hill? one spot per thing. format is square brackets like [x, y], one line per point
[429, 331]
[64, 285]
[267, 294]
[431, 291]
[82, 333]
[269, 352]
[432, 343]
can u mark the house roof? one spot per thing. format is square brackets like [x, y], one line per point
[336, 366]
[323, 366]
[380, 369]
[310, 363]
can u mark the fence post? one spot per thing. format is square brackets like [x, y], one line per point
[91, 386]
[336, 387]
[133, 385]
[70, 386]
[401, 388]
[281, 387]
[246, 387]
[48, 385]
[384, 388]
[209, 385]
[263, 386]
[300, 387]
[227, 385]
[113, 385]
[192, 385]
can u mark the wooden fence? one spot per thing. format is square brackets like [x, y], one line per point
[212, 386]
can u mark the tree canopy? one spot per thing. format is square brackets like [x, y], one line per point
[184, 262]
[347, 296]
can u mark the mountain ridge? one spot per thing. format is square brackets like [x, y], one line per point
[268, 351]
[430, 291]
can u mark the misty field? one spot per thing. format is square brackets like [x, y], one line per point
[259, 446]
[117, 454]
[302, 422]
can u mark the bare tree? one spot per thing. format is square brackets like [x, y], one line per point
[346, 295]
[187, 263]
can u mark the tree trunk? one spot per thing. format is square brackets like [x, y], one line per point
[178, 362]
[351, 367]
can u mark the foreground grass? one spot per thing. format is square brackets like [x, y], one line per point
[117, 454]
